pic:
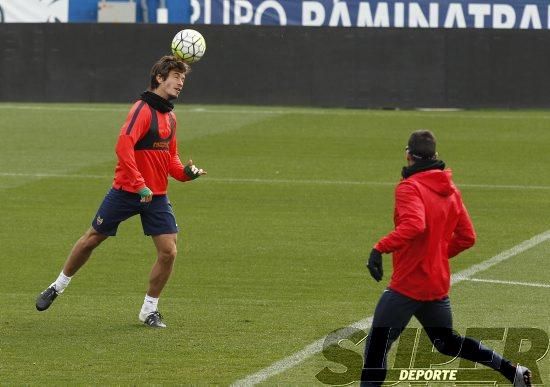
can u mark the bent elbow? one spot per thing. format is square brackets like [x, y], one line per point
[119, 150]
[467, 241]
[418, 229]
[471, 240]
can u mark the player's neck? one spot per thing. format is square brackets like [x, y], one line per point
[157, 102]
[161, 94]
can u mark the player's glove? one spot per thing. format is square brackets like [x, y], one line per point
[375, 265]
[193, 172]
[145, 194]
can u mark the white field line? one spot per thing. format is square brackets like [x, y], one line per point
[126, 108]
[294, 359]
[517, 249]
[313, 111]
[66, 108]
[56, 175]
[316, 347]
[279, 181]
[492, 281]
[390, 184]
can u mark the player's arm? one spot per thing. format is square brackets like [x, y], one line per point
[177, 170]
[411, 219]
[135, 126]
[411, 222]
[464, 235]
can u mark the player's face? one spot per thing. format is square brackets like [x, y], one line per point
[171, 87]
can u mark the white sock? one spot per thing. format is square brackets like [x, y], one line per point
[61, 282]
[149, 304]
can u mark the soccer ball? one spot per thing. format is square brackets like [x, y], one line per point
[188, 45]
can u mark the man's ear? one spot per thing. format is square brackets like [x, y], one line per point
[159, 78]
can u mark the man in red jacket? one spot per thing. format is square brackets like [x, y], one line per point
[431, 226]
[147, 153]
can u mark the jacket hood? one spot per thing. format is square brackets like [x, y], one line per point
[438, 181]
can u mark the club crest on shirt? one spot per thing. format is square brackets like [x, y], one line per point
[161, 145]
[99, 220]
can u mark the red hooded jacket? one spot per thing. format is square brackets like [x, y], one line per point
[431, 226]
[147, 151]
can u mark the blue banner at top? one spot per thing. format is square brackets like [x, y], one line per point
[516, 14]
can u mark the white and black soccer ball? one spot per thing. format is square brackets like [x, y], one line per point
[189, 45]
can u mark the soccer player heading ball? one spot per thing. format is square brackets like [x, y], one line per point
[147, 153]
[431, 226]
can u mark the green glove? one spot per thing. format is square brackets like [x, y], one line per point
[144, 192]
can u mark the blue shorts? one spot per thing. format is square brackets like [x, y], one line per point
[157, 216]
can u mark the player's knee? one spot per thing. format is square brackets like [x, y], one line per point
[90, 244]
[448, 344]
[168, 255]
[91, 240]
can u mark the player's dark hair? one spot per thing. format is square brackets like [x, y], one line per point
[163, 67]
[421, 145]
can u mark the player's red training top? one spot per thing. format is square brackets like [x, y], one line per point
[147, 151]
[431, 226]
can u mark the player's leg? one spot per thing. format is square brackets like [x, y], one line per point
[392, 314]
[82, 250]
[160, 272]
[436, 318]
[159, 221]
[116, 206]
[78, 256]
[162, 268]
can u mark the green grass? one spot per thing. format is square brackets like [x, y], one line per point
[272, 242]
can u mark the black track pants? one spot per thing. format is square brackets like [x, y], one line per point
[392, 315]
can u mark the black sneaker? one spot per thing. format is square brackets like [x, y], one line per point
[45, 299]
[154, 320]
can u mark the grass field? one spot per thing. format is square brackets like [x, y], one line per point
[272, 242]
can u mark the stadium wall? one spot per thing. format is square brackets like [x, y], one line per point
[272, 65]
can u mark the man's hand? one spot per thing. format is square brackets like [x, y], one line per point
[192, 171]
[146, 195]
[375, 265]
